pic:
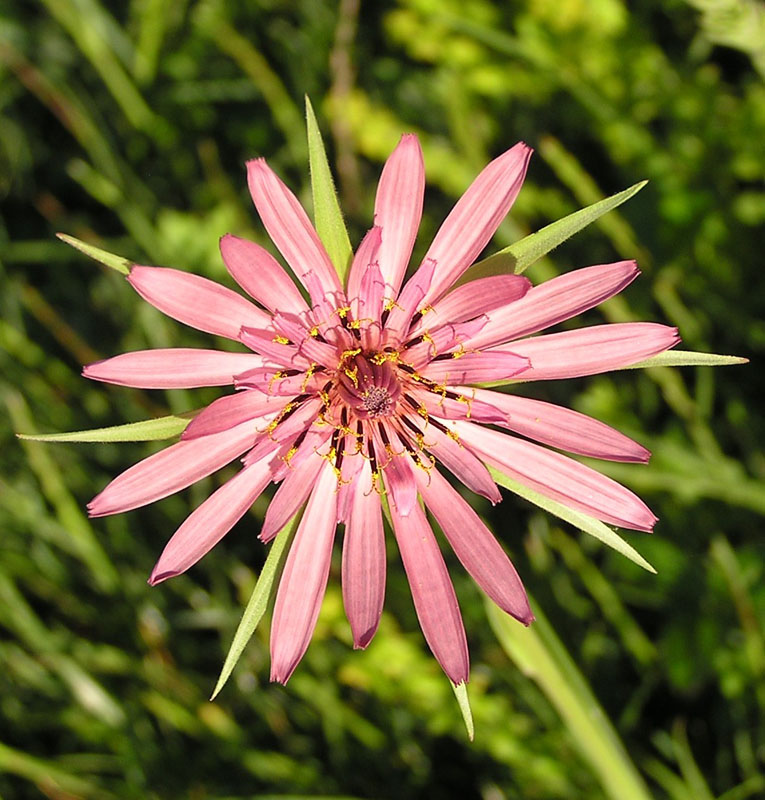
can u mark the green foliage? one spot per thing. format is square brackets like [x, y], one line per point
[127, 126]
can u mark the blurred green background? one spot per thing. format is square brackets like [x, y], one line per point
[126, 124]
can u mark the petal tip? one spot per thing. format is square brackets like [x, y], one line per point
[158, 577]
[362, 641]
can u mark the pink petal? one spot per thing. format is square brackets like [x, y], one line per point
[290, 229]
[468, 407]
[210, 522]
[364, 562]
[279, 383]
[398, 208]
[554, 301]
[433, 593]
[460, 461]
[432, 343]
[412, 296]
[350, 476]
[589, 351]
[171, 470]
[196, 301]
[309, 347]
[296, 420]
[475, 546]
[226, 412]
[370, 306]
[559, 477]
[475, 218]
[366, 255]
[260, 275]
[290, 496]
[304, 580]
[172, 368]
[563, 428]
[472, 299]
[397, 472]
[265, 341]
[493, 365]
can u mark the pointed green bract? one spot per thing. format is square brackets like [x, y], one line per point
[115, 262]
[460, 692]
[328, 218]
[688, 358]
[584, 522]
[150, 430]
[258, 603]
[518, 256]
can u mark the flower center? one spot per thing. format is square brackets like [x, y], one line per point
[368, 388]
[376, 401]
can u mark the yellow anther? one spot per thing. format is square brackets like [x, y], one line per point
[314, 331]
[309, 372]
[349, 353]
[425, 309]
[342, 312]
[275, 377]
[279, 339]
[386, 355]
[353, 374]
[390, 304]
[426, 337]
[459, 352]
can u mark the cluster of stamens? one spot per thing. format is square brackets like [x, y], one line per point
[373, 397]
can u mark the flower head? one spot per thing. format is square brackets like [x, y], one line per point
[372, 389]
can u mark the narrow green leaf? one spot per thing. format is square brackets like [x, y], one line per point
[582, 521]
[258, 603]
[688, 358]
[149, 430]
[111, 260]
[541, 656]
[326, 210]
[518, 256]
[460, 692]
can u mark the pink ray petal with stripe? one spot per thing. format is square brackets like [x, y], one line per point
[304, 580]
[473, 299]
[172, 368]
[226, 412]
[475, 218]
[260, 275]
[554, 301]
[563, 428]
[432, 592]
[475, 546]
[363, 577]
[478, 367]
[590, 351]
[398, 208]
[171, 470]
[366, 255]
[559, 477]
[290, 229]
[196, 301]
[210, 522]
[290, 496]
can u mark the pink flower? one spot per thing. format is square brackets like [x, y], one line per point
[364, 390]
